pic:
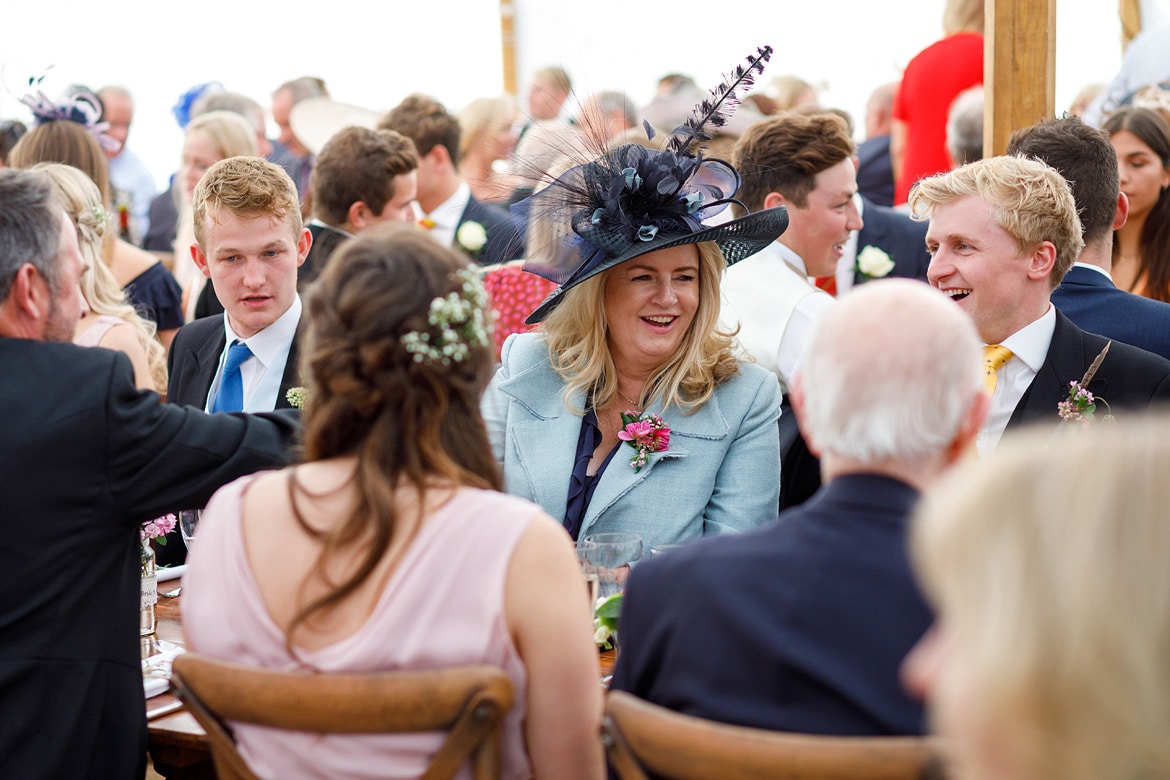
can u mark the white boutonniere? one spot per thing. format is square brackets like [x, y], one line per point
[472, 237]
[873, 263]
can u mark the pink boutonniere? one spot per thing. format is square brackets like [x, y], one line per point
[646, 434]
[1081, 405]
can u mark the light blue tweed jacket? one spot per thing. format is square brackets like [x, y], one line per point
[721, 472]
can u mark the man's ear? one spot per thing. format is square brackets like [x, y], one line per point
[200, 260]
[1043, 259]
[358, 216]
[1121, 213]
[29, 292]
[774, 199]
[304, 244]
[796, 397]
[439, 155]
[969, 427]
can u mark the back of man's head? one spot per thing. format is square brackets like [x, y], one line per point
[891, 373]
[785, 153]
[248, 187]
[30, 227]
[359, 165]
[427, 123]
[1084, 156]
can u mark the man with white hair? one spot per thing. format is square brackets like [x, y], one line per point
[802, 625]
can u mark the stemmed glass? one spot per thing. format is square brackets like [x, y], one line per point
[188, 521]
[610, 555]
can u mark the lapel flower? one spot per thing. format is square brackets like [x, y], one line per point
[646, 434]
[472, 237]
[1081, 405]
[873, 263]
[296, 397]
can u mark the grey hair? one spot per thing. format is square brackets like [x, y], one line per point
[30, 227]
[612, 100]
[890, 373]
[965, 126]
[235, 102]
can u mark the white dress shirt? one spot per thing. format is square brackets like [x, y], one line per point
[446, 215]
[261, 373]
[771, 299]
[1029, 347]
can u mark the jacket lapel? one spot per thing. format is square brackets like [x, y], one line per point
[619, 478]
[1066, 362]
[206, 363]
[292, 367]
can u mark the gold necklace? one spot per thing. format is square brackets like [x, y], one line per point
[633, 404]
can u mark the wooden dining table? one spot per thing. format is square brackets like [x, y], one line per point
[178, 744]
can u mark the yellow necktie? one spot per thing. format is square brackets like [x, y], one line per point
[994, 358]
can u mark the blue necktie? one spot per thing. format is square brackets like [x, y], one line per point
[230, 397]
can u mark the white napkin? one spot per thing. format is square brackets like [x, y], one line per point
[156, 670]
[170, 572]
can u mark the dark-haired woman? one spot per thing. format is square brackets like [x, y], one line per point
[1141, 249]
[390, 547]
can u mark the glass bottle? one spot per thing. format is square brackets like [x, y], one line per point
[149, 595]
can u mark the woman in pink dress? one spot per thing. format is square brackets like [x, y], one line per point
[390, 546]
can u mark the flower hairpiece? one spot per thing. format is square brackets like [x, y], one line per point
[646, 434]
[1081, 405]
[460, 323]
[82, 107]
[100, 216]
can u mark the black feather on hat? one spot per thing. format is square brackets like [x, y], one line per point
[632, 200]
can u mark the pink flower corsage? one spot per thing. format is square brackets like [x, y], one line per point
[645, 434]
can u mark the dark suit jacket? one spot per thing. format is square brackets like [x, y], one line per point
[1093, 303]
[875, 170]
[86, 458]
[325, 242]
[800, 625]
[896, 234]
[1129, 378]
[504, 243]
[194, 358]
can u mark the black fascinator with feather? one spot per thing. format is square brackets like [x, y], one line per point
[632, 200]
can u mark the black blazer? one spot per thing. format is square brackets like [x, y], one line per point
[194, 358]
[325, 243]
[800, 625]
[504, 243]
[896, 234]
[1093, 303]
[86, 458]
[1128, 379]
[875, 170]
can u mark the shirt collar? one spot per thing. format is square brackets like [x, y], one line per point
[446, 215]
[268, 344]
[1030, 343]
[790, 257]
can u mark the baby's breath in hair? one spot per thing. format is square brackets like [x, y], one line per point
[459, 322]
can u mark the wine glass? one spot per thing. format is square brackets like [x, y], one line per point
[188, 520]
[610, 555]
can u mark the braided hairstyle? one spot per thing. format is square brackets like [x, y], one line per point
[409, 420]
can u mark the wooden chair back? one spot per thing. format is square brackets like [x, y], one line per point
[644, 739]
[468, 702]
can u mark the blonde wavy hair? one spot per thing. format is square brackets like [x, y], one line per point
[1029, 200]
[1054, 595]
[577, 332]
[81, 199]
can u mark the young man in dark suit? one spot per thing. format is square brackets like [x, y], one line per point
[1084, 156]
[1003, 233]
[449, 210]
[87, 459]
[802, 625]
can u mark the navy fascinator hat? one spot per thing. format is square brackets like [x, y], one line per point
[632, 200]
